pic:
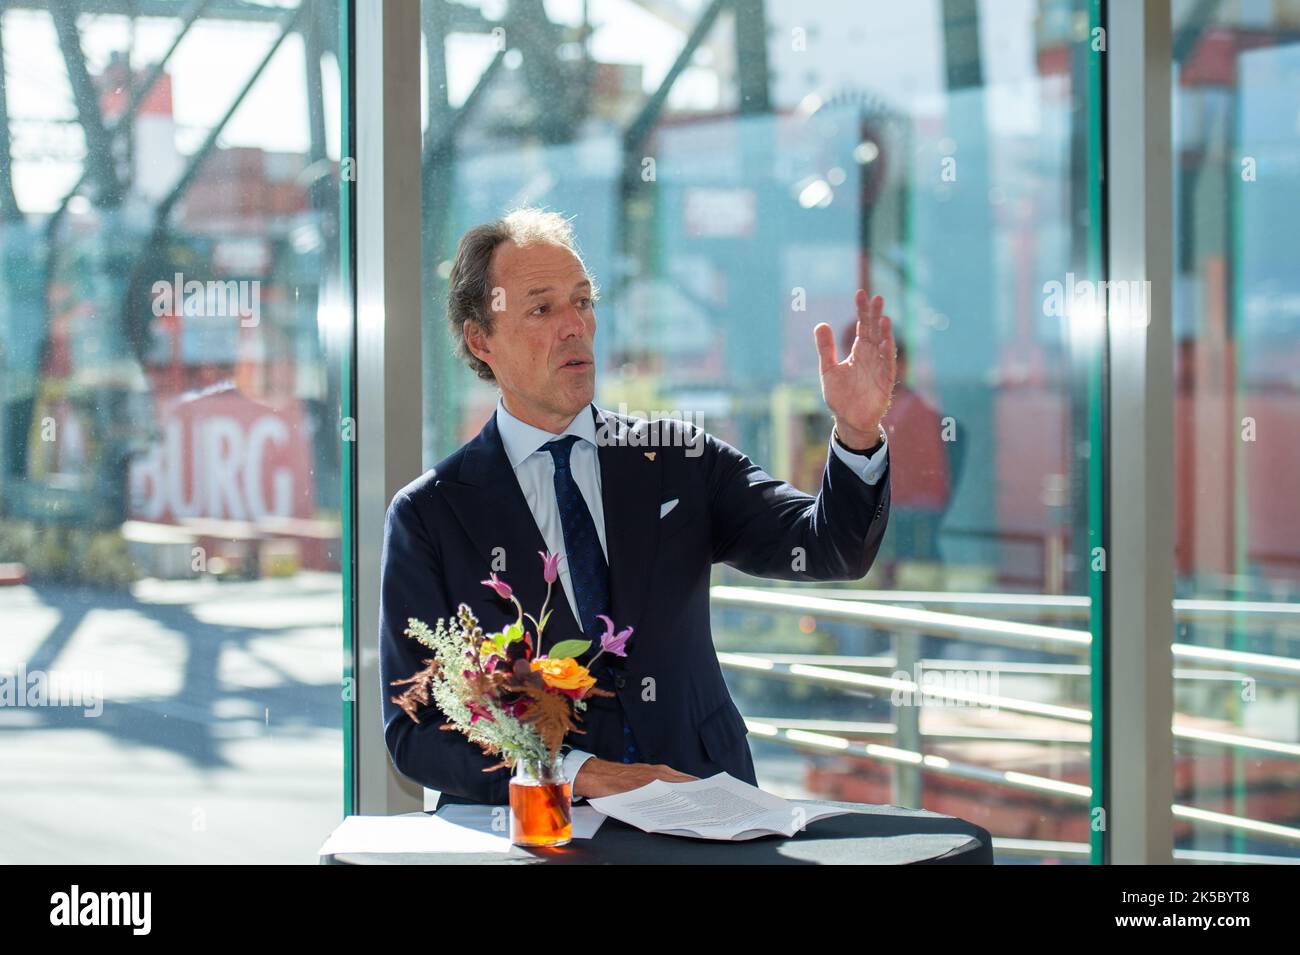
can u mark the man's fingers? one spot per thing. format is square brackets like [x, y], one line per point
[863, 305]
[871, 334]
[886, 338]
[670, 775]
[667, 773]
[886, 352]
[869, 314]
[599, 777]
[825, 338]
[874, 313]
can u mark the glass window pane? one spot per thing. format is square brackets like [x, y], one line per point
[171, 326]
[1237, 444]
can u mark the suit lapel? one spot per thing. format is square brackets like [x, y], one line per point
[629, 490]
[489, 504]
[491, 507]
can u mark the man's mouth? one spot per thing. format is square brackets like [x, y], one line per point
[576, 363]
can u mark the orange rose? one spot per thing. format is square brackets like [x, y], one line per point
[564, 674]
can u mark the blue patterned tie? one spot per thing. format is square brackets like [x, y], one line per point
[588, 571]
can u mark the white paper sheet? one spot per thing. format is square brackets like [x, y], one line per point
[720, 807]
[586, 820]
[410, 834]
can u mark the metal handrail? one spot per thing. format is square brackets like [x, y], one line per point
[1026, 782]
[1183, 608]
[908, 624]
[852, 680]
[910, 621]
[861, 728]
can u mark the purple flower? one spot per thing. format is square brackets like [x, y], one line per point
[610, 643]
[550, 566]
[500, 586]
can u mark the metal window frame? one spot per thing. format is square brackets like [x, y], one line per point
[1137, 664]
[386, 121]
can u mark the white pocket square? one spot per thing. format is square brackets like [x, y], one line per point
[667, 506]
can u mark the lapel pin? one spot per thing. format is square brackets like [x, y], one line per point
[650, 455]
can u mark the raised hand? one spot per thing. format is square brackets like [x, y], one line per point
[857, 390]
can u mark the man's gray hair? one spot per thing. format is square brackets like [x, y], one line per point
[468, 292]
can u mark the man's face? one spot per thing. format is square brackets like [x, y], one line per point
[540, 348]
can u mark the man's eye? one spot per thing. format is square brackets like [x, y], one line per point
[540, 309]
[584, 302]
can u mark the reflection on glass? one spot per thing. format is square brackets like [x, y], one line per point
[1237, 444]
[169, 437]
[733, 180]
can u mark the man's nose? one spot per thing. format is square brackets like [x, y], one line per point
[575, 322]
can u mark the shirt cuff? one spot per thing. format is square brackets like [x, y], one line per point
[868, 467]
[573, 761]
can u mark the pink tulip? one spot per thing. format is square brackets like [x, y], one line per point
[550, 566]
[609, 643]
[500, 586]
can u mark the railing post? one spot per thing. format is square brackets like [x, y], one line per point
[907, 776]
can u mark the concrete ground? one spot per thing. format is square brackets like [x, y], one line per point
[220, 737]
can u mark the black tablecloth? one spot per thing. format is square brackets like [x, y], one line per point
[872, 835]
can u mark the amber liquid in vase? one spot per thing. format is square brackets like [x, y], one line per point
[540, 813]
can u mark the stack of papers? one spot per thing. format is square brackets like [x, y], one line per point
[720, 807]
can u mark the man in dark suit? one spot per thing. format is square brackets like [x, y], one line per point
[640, 510]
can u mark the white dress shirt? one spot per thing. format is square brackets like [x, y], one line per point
[535, 470]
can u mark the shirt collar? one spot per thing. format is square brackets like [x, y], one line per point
[522, 440]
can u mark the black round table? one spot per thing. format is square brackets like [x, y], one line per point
[871, 835]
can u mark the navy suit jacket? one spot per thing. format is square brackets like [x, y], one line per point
[440, 537]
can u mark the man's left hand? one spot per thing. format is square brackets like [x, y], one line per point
[858, 389]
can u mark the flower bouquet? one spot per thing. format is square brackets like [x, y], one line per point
[513, 701]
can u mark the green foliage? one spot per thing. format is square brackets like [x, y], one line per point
[568, 649]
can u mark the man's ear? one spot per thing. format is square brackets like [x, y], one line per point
[476, 340]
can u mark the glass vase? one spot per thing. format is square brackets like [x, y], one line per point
[541, 803]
